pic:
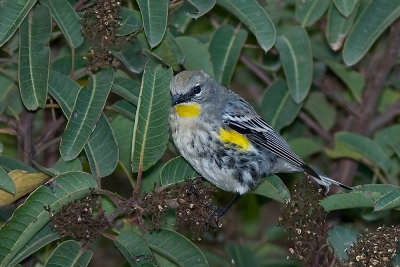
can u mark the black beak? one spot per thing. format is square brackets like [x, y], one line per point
[177, 99]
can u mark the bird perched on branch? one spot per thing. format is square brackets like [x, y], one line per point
[225, 140]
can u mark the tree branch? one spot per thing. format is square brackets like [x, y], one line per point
[25, 135]
[385, 117]
[10, 122]
[330, 88]
[316, 127]
[257, 71]
[49, 133]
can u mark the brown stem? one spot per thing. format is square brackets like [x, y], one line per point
[10, 122]
[331, 88]
[49, 134]
[25, 135]
[316, 127]
[79, 4]
[385, 117]
[136, 191]
[125, 207]
[257, 71]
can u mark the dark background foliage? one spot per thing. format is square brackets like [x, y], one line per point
[89, 176]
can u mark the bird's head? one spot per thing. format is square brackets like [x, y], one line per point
[191, 91]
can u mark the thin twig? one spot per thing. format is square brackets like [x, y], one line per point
[9, 74]
[257, 71]
[10, 122]
[316, 127]
[214, 21]
[330, 88]
[40, 149]
[9, 131]
[25, 135]
[49, 133]
[138, 181]
[385, 117]
[79, 4]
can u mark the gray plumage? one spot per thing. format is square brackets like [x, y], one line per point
[226, 166]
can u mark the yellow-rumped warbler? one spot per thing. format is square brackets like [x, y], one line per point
[225, 140]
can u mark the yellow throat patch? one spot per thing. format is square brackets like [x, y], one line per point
[188, 110]
[232, 137]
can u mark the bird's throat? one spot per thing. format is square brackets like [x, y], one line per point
[188, 110]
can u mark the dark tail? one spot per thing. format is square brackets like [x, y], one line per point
[323, 180]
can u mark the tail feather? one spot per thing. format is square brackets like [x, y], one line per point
[325, 182]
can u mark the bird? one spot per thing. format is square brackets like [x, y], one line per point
[225, 140]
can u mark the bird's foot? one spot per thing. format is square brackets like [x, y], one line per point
[214, 219]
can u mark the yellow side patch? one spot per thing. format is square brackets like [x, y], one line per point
[233, 137]
[188, 109]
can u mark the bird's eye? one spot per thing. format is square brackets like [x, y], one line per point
[197, 89]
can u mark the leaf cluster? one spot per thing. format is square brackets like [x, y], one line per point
[84, 144]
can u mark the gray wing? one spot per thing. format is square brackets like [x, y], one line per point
[261, 133]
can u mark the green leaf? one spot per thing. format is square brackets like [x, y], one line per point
[321, 110]
[387, 138]
[124, 108]
[10, 164]
[127, 88]
[123, 129]
[295, 52]
[64, 90]
[225, 47]
[196, 54]
[353, 199]
[359, 147]
[338, 27]
[175, 47]
[273, 187]
[353, 79]
[388, 201]
[361, 196]
[150, 133]
[345, 7]
[175, 247]
[24, 183]
[305, 147]
[69, 253]
[60, 167]
[241, 254]
[130, 54]
[87, 110]
[309, 11]
[131, 21]
[12, 13]
[63, 64]
[34, 57]
[163, 53]
[377, 16]
[154, 15]
[277, 107]
[101, 149]
[201, 7]
[341, 239]
[30, 217]
[43, 237]
[253, 16]
[177, 170]
[6, 183]
[67, 20]
[135, 249]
